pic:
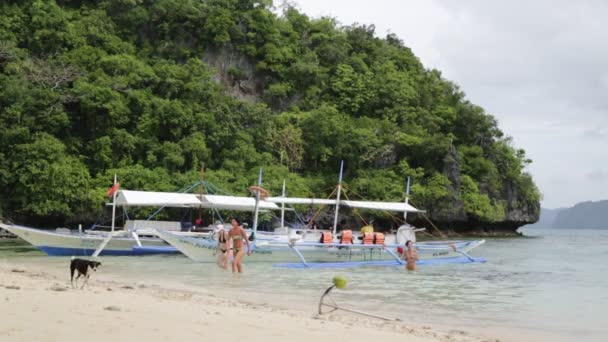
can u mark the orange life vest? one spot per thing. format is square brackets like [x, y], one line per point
[368, 238]
[347, 236]
[379, 239]
[327, 237]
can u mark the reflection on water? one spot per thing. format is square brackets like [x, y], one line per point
[554, 283]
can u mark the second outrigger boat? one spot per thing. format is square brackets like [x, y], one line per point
[316, 248]
[329, 252]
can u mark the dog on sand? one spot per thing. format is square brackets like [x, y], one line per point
[82, 266]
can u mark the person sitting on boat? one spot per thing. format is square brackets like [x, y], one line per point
[237, 234]
[223, 257]
[366, 229]
[411, 256]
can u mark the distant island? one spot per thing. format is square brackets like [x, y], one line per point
[584, 215]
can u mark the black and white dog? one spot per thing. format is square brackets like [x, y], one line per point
[82, 266]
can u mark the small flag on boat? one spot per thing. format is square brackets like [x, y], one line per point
[113, 189]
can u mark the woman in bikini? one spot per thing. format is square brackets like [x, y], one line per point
[223, 256]
[238, 235]
[411, 256]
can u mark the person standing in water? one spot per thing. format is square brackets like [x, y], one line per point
[238, 235]
[411, 256]
[223, 258]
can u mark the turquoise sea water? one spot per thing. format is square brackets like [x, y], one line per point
[550, 285]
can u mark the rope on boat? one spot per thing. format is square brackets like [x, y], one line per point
[316, 214]
[355, 210]
[442, 235]
[183, 190]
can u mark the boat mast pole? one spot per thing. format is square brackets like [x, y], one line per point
[338, 197]
[283, 206]
[201, 189]
[407, 197]
[114, 205]
[257, 203]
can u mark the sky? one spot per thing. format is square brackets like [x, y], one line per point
[540, 67]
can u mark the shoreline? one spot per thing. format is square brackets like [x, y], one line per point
[421, 237]
[124, 310]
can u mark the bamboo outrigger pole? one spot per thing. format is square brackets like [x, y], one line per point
[257, 203]
[338, 197]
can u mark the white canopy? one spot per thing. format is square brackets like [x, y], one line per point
[295, 200]
[388, 206]
[235, 203]
[130, 198]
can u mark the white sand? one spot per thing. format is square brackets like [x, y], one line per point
[40, 305]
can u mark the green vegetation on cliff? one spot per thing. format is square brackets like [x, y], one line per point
[149, 89]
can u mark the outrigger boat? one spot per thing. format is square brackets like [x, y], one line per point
[139, 237]
[302, 253]
[309, 248]
[65, 242]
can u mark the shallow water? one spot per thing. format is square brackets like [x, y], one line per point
[552, 285]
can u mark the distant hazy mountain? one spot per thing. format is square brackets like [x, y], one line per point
[590, 215]
[547, 218]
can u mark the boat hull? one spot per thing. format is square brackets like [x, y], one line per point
[205, 250]
[63, 244]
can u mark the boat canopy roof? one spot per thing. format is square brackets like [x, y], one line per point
[296, 200]
[131, 198]
[235, 203]
[388, 206]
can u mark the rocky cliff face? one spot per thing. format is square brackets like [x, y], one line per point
[451, 218]
[235, 73]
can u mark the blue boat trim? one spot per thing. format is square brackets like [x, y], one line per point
[157, 249]
[65, 251]
[351, 264]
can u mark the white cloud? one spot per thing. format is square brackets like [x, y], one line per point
[598, 175]
[596, 133]
[540, 67]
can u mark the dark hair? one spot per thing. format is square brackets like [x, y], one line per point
[407, 243]
[237, 220]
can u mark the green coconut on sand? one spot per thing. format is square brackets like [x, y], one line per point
[339, 281]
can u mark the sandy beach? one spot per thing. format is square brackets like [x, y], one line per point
[40, 305]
